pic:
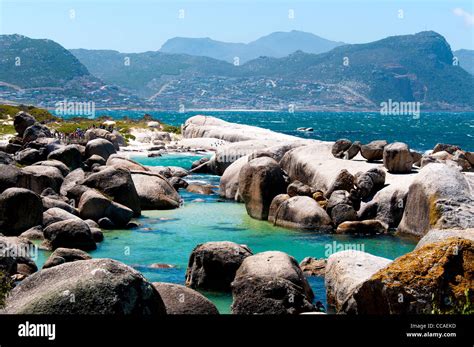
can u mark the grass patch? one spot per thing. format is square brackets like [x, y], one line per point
[41, 115]
[123, 126]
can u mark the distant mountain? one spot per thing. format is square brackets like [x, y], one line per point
[30, 63]
[43, 72]
[146, 73]
[350, 77]
[277, 45]
[466, 59]
[402, 68]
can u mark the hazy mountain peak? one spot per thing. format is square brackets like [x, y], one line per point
[277, 44]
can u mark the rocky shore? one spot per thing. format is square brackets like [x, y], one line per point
[64, 197]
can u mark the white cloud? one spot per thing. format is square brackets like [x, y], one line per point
[468, 17]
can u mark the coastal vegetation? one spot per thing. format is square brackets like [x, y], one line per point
[68, 126]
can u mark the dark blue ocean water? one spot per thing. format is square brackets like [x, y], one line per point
[419, 134]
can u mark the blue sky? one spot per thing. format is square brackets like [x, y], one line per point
[142, 25]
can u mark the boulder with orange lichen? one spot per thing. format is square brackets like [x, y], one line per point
[436, 278]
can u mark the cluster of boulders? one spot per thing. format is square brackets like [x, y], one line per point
[266, 190]
[398, 158]
[66, 195]
[263, 283]
[305, 184]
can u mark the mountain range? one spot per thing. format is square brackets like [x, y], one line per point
[415, 67]
[277, 45]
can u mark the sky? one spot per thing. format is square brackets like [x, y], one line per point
[144, 25]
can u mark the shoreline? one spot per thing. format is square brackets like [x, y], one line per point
[338, 189]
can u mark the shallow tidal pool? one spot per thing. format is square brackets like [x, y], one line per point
[168, 237]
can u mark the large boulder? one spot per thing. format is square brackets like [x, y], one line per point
[119, 162]
[34, 233]
[296, 188]
[20, 209]
[65, 255]
[53, 202]
[369, 182]
[155, 191]
[71, 181]
[98, 133]
[69, 155]
[302, 212]
[208, 126]
[9, 176]
[95, 160]
[346, 271]
[228, 154]
[212, 265]
[343, 181]
[55, 163]
[179, 299]
[100, 147]
[260, 180]
[339, 147]
[28, 156]
[72, 233]
[229, 182]
[38, 177]
[343, 213]
[95, 206]
[436, 278]
[56, 214]
[22, 121]
[369, 226]
[275, 206]
[438, 198]
[45, 144]
[397, 158]
[271, 283]
[388, 204]
[373, 150]
[35, 131]
[118, 184]
[436, 235]
[96, 286]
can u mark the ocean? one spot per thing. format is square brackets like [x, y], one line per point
[420, 134]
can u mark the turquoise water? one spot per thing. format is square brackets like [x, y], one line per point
[170, 236]
[421, 134]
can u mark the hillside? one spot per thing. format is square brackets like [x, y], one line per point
[147, 72]
[30, 63]
[42, 72]
[349, 77]
[402, 68]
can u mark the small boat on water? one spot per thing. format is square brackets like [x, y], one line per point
[303, 129]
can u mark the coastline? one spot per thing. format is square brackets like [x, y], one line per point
[289, 189]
